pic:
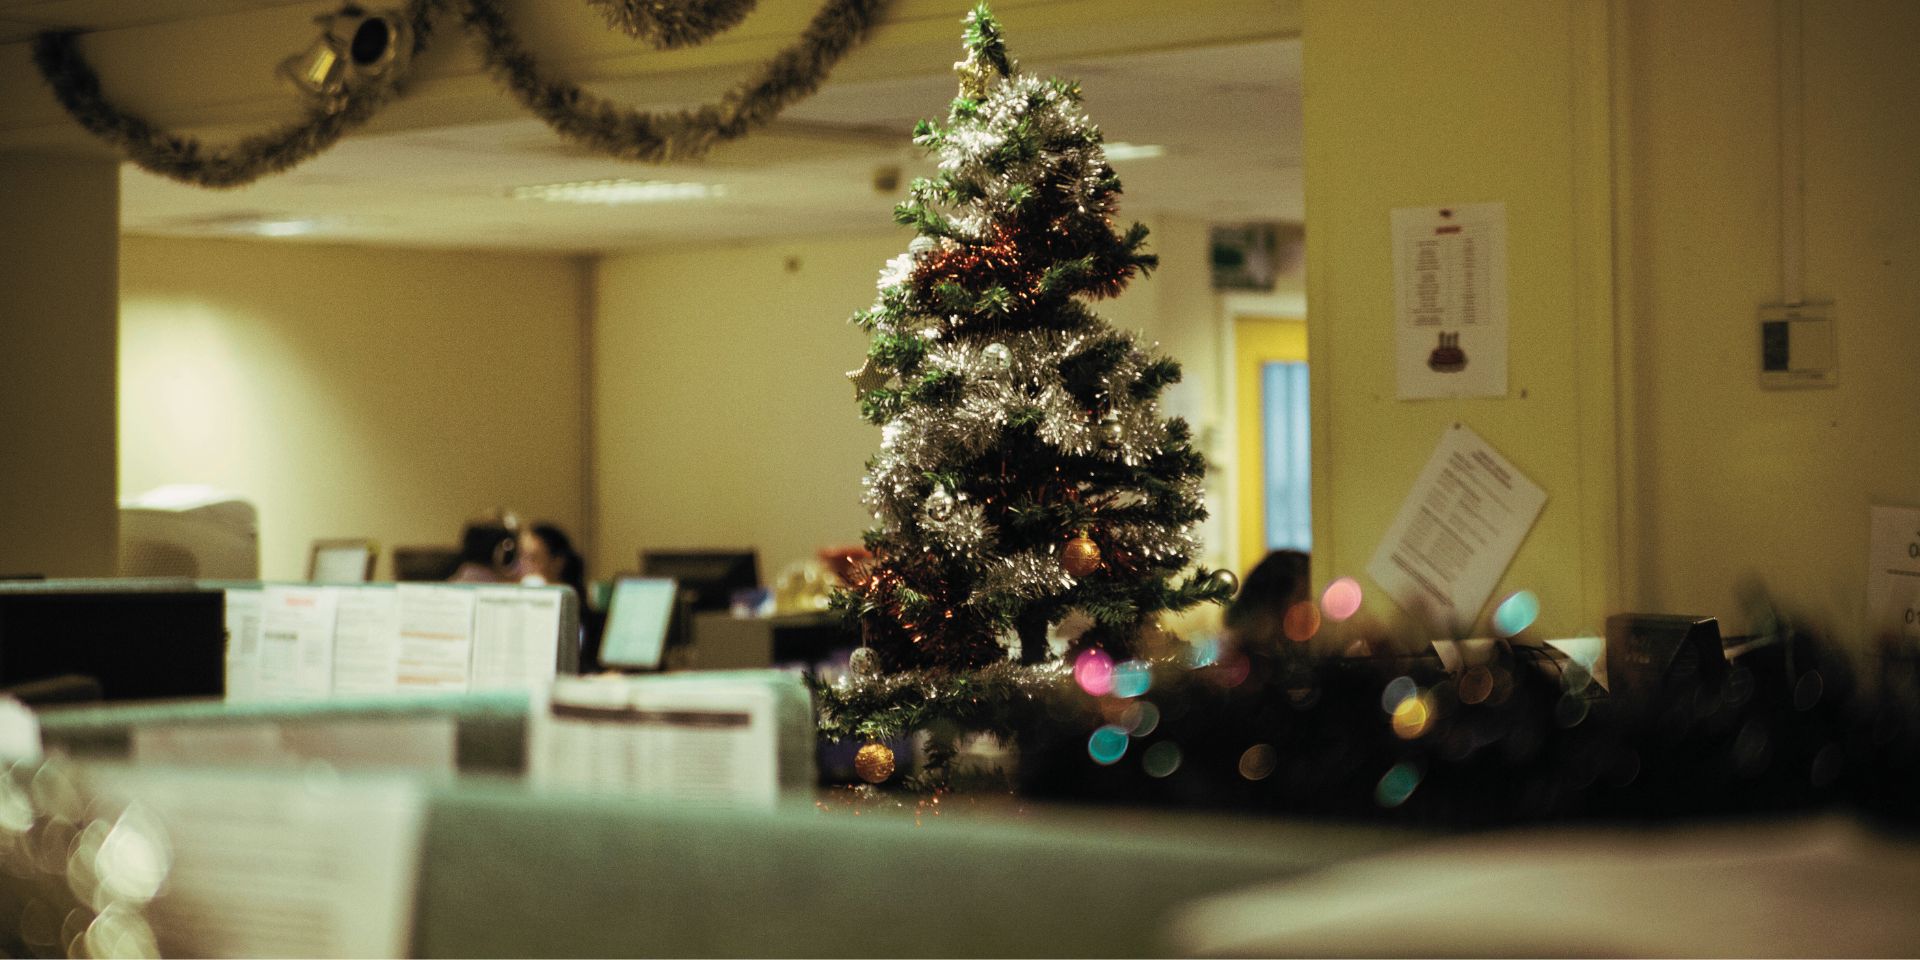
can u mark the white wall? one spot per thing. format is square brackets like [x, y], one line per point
[352, 391]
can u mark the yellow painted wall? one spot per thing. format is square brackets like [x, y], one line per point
[723, 415]
[1475, 101]
[58, 223]
[1735, 480]
[352, 391]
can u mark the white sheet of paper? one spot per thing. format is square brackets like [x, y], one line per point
[366, 640]
[280, 866]
[296, 643]
[516, 632]
[709, 741]
[243, 642]
[1893, 573]
[1456, 532]
[1450, 300]
[436, 636]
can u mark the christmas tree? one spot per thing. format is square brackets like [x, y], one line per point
[1025, 470]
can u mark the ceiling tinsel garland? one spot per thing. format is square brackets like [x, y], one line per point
[682, 134]
[185, 158]
[572, 112]
[671, 24]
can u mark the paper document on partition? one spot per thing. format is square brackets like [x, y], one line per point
[436, 636]
[715, 741]
[1893, 573]
[296, 643]
[516, 637]
[1450, 300]
[275, 867]
[243, 642]
[1456, 532]
[366, 640]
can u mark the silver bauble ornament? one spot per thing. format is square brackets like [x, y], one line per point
[939, 504]
[920, 245]
[863, 662]
[1226, 578]
[1113, 433]
[997, 358]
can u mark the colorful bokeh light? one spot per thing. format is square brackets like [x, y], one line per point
[1258, 761]
[1411, 718]
[1161, 759]
[1302, 621]
[1132, 678]
[1107, 745]
[1516, 613]
[1341, 600]
[1397, 785]
[1093, 671]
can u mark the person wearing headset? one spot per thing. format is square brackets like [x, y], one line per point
[489, 549]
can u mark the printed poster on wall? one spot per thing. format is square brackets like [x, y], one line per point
[1450, 300]
[1456, 532]
[1893, 573]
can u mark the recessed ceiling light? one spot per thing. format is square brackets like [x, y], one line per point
[618, 191]
[1134, 151]
[283, 228]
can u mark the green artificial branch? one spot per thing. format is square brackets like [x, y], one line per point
[671, 24]
[656, 137]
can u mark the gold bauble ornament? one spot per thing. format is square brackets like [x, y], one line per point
[874, 762]
[1082, 556]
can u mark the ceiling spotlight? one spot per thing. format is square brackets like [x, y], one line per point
[353, 45]
[618, 191]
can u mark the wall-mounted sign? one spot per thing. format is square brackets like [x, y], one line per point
[1450, 300]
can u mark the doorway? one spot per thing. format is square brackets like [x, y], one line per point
[1273, 442]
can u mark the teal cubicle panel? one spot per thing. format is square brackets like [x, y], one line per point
[511, 873]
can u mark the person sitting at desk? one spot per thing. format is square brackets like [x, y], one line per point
[547, 556]
[489, 549]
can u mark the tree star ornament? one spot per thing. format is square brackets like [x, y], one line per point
[870, 377]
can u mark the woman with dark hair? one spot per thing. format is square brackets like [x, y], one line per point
[1258, 613]
[547, 555]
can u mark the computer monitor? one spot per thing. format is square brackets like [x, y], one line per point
[143, 642]
[425, 564]
[342, 561]
[638, 616]
[707, 578]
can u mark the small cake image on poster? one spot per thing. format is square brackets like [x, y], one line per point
[1447, 357]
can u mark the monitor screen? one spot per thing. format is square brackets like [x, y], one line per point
[637, 619]
[341, 561]
[137, 644]
[709, 576]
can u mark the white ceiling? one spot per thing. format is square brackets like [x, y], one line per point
[1229, 118]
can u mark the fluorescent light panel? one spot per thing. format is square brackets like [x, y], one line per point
[1134, 151]
[618, 191]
